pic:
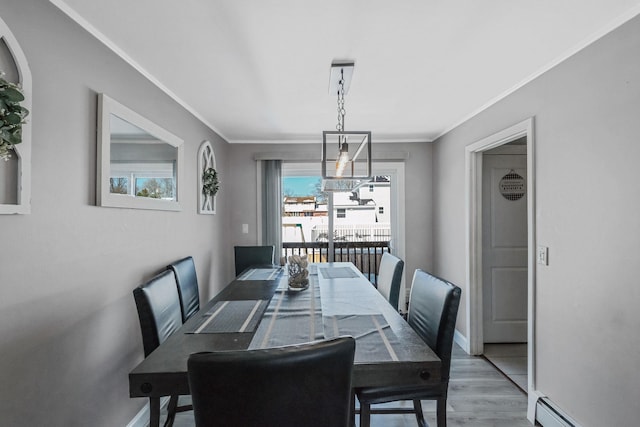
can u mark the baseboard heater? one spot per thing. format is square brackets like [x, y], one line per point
[549, 415]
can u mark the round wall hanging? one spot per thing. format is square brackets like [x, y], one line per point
[512, 186]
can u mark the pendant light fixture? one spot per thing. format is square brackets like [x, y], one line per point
[346, 155]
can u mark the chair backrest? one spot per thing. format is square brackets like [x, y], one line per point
[433, 309]
[389, 278]
[247, 256]
[185, 272]
[305, 385]
[158, 309]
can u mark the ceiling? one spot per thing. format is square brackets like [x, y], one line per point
[258, 70]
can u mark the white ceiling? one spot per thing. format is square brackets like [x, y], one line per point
[258, 70]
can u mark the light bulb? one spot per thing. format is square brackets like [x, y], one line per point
[343, 159]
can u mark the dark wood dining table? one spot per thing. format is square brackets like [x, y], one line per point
[257, 310]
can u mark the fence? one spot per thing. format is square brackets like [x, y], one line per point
[364, 255]
[353, 232]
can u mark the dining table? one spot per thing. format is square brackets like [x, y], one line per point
[258, 310]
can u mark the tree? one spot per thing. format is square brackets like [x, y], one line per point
[321, 196]
[119, 185]
[155, 188]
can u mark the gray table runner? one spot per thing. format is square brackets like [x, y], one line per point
[297, 317]
[375, 341]
[260, 274]
[291, 318]
[230, 317]
[338, 273]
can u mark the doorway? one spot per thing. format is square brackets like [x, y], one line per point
[504, 259]
[507, 309]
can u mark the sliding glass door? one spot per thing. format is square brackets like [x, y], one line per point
[356, 226]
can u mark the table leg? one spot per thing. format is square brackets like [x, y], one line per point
[154, 412]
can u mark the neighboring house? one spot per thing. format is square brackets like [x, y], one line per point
[379, 191]
[299, 206]
[359, 215]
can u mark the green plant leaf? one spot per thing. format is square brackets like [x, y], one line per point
[12, 94]
[16, 138]
[13, 118]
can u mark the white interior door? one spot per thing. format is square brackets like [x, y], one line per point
[504, 248]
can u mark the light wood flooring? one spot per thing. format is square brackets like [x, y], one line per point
[511, 360]
[479, 396]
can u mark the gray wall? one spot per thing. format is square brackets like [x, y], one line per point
[587, 131]
[418, 210]
[69, 332]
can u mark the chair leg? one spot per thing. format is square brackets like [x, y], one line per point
[352, 410]
[171, 410]
[365, 415]
[417, 407]
[441, 412]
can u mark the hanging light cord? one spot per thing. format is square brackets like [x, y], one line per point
[341, 109]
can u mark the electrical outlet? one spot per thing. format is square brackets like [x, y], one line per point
[543, 255]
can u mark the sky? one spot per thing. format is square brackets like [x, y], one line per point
[300, 185]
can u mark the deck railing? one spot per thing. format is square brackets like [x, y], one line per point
[353, 232]
[364, 255]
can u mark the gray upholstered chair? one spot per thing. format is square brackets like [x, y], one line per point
[187, 280]
[304, 385]
[390, 277]
[433, 309]
[159, 313]
[248, 256]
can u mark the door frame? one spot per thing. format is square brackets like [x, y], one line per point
[473, 190]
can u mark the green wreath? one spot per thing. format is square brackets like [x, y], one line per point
[12, 116]
[210, 183]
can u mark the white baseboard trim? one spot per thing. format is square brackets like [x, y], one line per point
[142, 417]
[532, 400]
[462, 341]
[549, 415]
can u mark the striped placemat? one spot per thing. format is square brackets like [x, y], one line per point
[338, 273]
[260, 274]
[230, 317]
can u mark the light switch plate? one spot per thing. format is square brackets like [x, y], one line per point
[543, 255]
[245, 228]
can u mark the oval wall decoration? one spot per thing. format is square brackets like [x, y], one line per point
[512, 186]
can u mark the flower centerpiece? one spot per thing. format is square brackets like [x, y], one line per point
[12, 116]
[298, 272]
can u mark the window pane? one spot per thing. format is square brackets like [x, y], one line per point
[155, 188]
[304, 213]
[361, 230]
[119, 185]
[361, 215]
